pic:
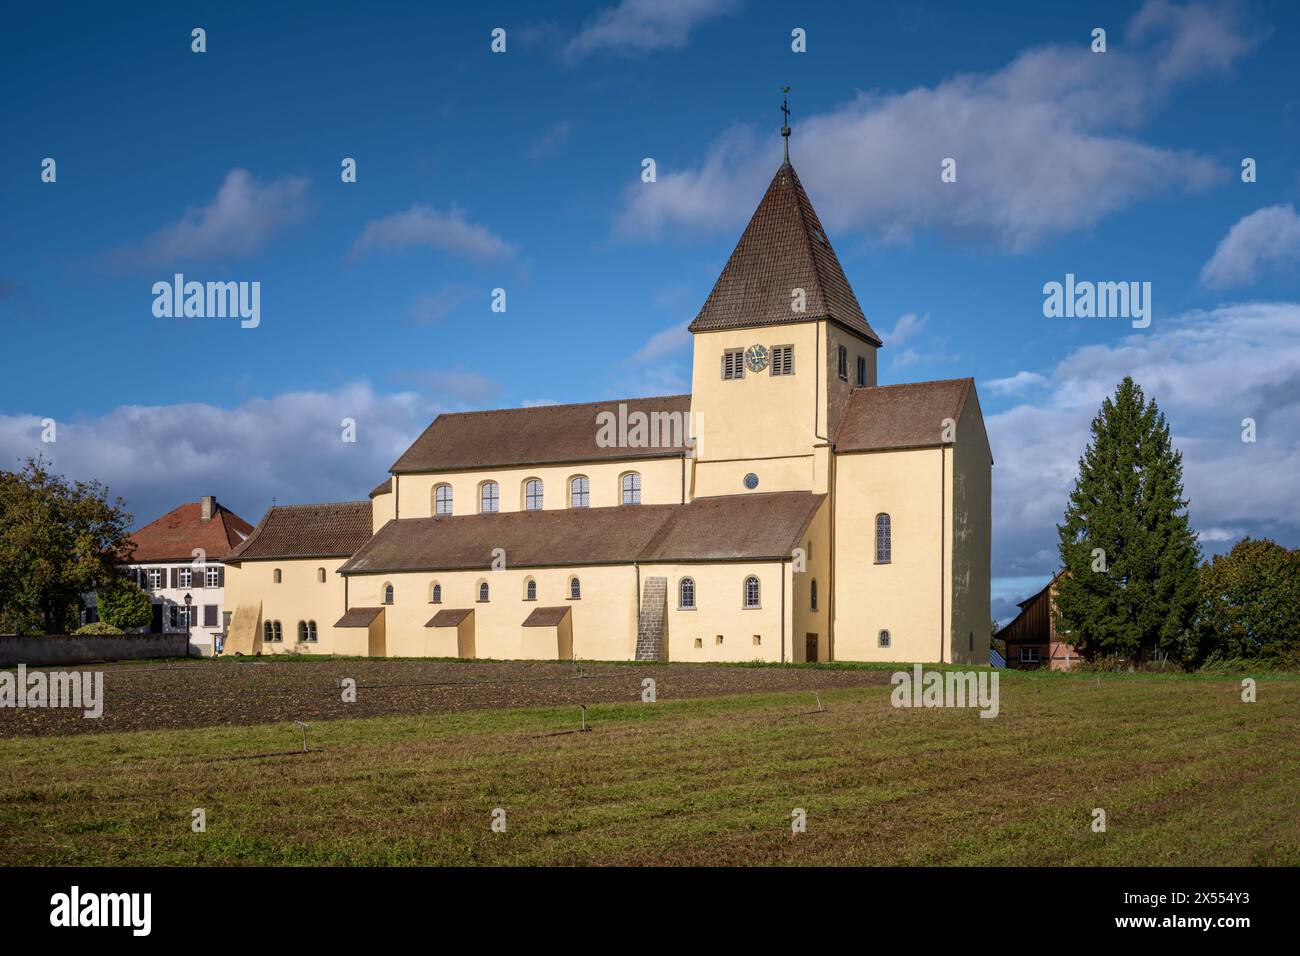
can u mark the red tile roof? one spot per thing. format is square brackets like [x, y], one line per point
[545, 616]
[545, 434]
[783, 248]
[307, 531]
[731, 527]
[900, 416]
[449, 617]
[358, 616]
[175, 535]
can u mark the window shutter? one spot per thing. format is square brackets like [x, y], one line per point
[221, 577]
[175, 578]
[197, 575]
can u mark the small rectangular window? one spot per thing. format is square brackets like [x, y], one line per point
[210, 578]
[843, 363]
[699, 642]
[862, 372]
[187, 578]
[733, 364]
[718, 640]
[783, 360]
[758, 640]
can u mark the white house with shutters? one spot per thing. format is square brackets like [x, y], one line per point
[179, 556]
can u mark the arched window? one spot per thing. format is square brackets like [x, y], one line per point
[483, 591]
[277, 575]
[489, 497]
[884, 638]
[631, 488]
[388, 594]
[686, 594]
[442, 500]
[579, 492]
[302, 632]
[533, 494]
[311, 632]
[267, 633]
[435, 593]
[575, 589]
[320, 575]
[884, 539]
[812, 594]
[530, 590]
[751, 592]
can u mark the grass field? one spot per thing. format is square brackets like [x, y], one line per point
[1187, 774]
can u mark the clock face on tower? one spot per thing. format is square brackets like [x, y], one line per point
[756, 357]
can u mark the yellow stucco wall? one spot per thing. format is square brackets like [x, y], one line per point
[971, 538]
[299, 596]
[661, 484]
[736, 417]
[381, 510]
[720, 611]
[902, 596]
[604, 618]
[816, 546]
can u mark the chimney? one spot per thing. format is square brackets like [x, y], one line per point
[207, 505]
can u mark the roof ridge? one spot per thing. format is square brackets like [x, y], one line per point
[533, 408]
[797, 185]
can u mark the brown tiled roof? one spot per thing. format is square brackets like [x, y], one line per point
[383, 488]
[545, 616]
[783, 248]
[175, 535]
[733, 527]
[546, 434]
[449, 617]
[307, 531]
[900, 416]
[358, 616]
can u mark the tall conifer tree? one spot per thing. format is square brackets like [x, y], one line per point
[1130, 557]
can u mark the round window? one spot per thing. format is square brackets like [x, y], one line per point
[751, 481]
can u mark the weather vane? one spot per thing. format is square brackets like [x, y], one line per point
[785, 129]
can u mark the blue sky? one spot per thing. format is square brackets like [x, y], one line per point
[522, 171]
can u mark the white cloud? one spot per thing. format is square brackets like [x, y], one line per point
[666, 342]
[537, 402]
[453, 386]
[288, 447]
[1017, 383]
[428, 309]
[644, 25]
[1207, 371]
[422, 225]
[550, 141]
[1044, 146]
[1267, 238]
[905, 328]
[245, 213]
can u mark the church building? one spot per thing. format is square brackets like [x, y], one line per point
[788, 509]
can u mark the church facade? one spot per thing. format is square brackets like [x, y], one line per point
[788, 509]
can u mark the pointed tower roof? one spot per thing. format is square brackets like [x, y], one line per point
[783, 248]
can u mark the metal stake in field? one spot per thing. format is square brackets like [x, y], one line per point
[304, 734]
